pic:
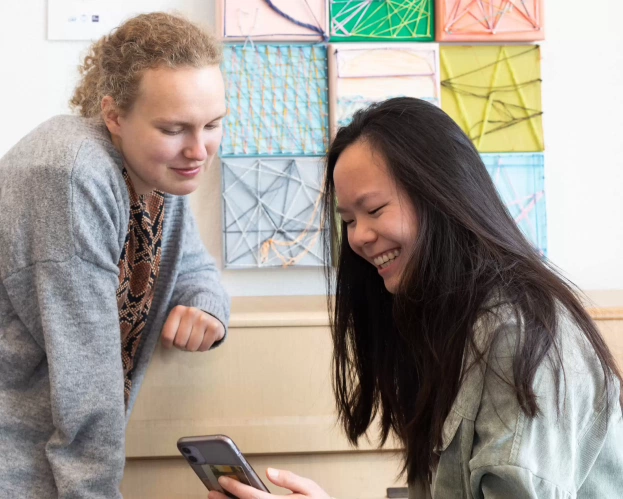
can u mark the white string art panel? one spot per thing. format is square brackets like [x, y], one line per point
[272, 210]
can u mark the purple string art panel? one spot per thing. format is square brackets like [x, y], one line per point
[271, 212]
[277, 100]
[519, 179]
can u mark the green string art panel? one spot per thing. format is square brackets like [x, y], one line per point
[277, 100]
[382, 20]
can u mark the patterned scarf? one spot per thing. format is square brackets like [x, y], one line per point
[138, 272]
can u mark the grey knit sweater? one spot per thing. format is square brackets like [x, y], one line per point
[64, 212]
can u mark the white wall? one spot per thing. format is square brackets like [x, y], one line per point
[583, 120]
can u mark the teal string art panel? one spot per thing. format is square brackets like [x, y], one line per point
[520, 181]
[272, 209]
[382, 20]
[277, 100]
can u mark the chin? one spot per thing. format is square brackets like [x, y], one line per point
[391, 287]
[182, 190]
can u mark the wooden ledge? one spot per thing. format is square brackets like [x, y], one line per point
[278, 311]
[308, 311]
[606, 314]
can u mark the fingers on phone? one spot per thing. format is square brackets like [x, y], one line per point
[295, 483]
[242, 491]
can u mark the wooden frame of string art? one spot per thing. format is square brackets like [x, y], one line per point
[277, 99]
[363, 73]
[489, 20]
[272, 210]
[494, 93]
[519, 179]
[276, 20]
[387, 20]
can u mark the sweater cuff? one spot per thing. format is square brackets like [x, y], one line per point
[219, 311]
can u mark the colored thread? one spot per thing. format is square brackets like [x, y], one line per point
[315, 29]
[278, 100]
[272, 213]
[348, 104]
[519, 179]
[511, 114]
[388, 19]
[488, 15]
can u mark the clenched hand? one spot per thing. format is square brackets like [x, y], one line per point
[191, 329]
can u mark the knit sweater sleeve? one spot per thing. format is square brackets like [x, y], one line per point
[65, 253]
[198, 282]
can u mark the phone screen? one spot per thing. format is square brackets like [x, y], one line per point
[214, 471]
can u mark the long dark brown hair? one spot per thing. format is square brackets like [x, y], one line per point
[400, 356]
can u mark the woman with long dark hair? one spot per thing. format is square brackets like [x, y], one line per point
[452, 330]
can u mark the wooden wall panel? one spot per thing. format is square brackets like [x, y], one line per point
[269, 389]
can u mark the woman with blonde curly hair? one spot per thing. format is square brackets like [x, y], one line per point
[101, 254]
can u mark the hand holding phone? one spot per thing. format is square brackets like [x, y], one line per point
[215, 456]
[301, 488]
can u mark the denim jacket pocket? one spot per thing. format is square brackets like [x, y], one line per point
[450, 427]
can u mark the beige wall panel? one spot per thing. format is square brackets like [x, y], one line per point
[269, 389]
[364, 475]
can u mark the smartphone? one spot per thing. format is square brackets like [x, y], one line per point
[213, 456]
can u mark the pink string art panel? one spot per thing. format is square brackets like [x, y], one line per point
[363, 73]
[489, 20]
[277, 20]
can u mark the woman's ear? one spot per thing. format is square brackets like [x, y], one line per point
[110, 114]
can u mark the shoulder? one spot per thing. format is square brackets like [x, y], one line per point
[570, 388]
[62, 188]
[58, 152]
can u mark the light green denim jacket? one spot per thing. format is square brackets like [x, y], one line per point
[491, 449]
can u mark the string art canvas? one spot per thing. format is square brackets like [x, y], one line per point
[520, 182]
[494, 93]
[277, 100]
[273, 19]
[489, 20]
[382, 20]
[272, 212]
[360, 74]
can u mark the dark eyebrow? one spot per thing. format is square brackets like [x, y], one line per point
[360, 201]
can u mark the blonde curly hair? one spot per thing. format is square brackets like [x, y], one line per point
[115, 63]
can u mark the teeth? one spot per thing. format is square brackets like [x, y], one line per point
[385, 259]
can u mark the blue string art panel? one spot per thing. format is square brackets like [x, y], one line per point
[520, 181]
[277, 100]
[272, 209]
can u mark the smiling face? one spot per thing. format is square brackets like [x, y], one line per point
[381, 222]
[173, 130]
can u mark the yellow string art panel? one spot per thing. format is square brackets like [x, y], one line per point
[494, 93]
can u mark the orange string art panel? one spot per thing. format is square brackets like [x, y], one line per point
[489, 20]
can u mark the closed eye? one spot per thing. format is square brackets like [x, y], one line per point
[212, 126]
[376, 210]
[170, 132]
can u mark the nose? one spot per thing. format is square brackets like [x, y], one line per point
[361, 234]
[195, 149]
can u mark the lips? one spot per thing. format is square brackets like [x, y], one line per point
[187, 172]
